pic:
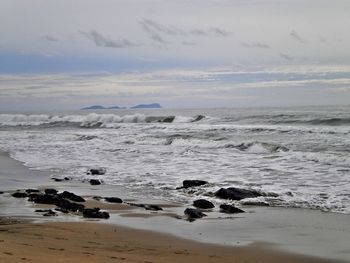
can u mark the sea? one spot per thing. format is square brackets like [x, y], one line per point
[301, 155]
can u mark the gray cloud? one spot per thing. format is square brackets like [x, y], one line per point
[211, 32]
[152, 26]
[218, 32]
[102, 41]
[155, 30]
[49, 38]
[286, 57]
[255, 45]
[297, 37]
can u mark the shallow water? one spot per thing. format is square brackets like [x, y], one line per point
[302, 154]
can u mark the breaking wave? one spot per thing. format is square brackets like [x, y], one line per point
[91, 120]
[250, 147]
[316, 121]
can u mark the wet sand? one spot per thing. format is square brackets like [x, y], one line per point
[93, 242]
[129, 235]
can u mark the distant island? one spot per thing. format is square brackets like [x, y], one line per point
[147, 106]
[139, 106]
[99, 107]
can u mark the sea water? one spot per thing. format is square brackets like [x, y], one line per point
[300, 154]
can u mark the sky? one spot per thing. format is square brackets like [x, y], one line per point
[180, 53]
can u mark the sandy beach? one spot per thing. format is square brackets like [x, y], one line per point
[92, 242]
[135, 235]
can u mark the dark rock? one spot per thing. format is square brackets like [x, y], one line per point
[66, 178]
[1, 192]
[230, 209]
[51, 191]
[202, 203]
[97, 171]
[20, 195]
[47, 212]
[236, 193]
[191, 183]
[44, 199]
[29, 191]
[94, 213]
[57, 179]
[60, 209]
[153, 207]
[71, 196]
[97, 198]
[33, 196]
[69, 206]
[50, 213]
[95, 182]
[193, 213]
[42, 210]
[147, 207]
[113, 200]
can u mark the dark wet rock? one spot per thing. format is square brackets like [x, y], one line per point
[57, 179]
[230, 209]
[50, 191]
[94, 182]
[192, 183]
[32, 196]
[153, 207]
[44, 199]
[29, 191]
[50, 213]
[236, 193]
[1, 192]
[62, 210]
[66, 178]
[97, 198]
[193, 213]
[203, 204]
[198, 118]
[64, 204]
[147, 206]
[58, 200]
[20, 195]
[71, 196]
[42, 210]
[47, 212]
[97, 171]
[95, 213]
[113, 200]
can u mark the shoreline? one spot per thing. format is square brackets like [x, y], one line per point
[251, 226]
[92, 242]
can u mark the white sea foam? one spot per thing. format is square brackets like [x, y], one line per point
[307, 166]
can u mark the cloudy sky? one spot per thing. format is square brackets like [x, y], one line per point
[181, 53]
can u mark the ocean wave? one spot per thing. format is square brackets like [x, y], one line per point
[91, 120]
[258, 147]
[250, 147]
[316, 121]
